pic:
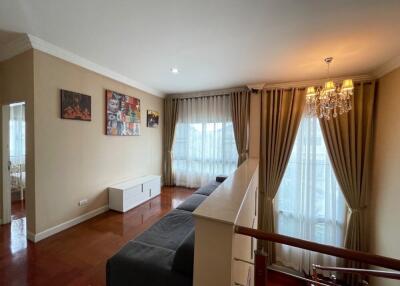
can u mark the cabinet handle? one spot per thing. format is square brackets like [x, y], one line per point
[252, 242]
[255, 203]
[150, 192]
[251, 247]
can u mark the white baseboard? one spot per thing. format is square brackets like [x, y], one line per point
[65, 225]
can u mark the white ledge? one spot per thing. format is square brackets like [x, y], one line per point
[225, 202]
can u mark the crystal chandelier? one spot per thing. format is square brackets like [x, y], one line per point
[331, 100]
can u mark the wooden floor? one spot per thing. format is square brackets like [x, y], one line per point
[78, 256]
[18, 209]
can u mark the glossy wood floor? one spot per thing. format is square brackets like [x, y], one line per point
[18, 209]
[78, 256]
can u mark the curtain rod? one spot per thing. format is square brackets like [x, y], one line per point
[285, 86]
[318, 82]
[221, 92]
[268, 88]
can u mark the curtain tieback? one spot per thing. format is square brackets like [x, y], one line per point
[266, 197]
[357, 210]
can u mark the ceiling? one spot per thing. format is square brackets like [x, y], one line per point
[214, 43]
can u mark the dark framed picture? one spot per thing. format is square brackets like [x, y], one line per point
[152, 118]
[75, 106]
[122, 114]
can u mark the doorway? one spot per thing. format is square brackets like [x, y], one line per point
[14, 162]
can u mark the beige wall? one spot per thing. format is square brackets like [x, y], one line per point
[74, 159]
[16, 83]
[385, 200]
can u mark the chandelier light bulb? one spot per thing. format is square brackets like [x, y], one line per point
[329, 86]
[347, 85]
[311, 92]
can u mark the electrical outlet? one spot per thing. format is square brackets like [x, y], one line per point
[83, 202]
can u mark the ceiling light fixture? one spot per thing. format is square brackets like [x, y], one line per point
[331, 99]
[174, 70]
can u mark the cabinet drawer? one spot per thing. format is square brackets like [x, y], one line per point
[152, 188]
[133, 197]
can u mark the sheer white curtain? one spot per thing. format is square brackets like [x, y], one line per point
[309, 204]
[204, 143]
[17, 133]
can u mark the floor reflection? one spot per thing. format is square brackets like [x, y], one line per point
[176, 202]
[18, 235]
[77, 256]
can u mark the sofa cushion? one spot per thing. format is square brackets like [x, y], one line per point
[170, 231]
[184, 256]
[207, 189]
[192, 202]
[141, 264]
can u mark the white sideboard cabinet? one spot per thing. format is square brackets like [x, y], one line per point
[131, 193]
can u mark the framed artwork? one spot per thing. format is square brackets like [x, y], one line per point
[75, 106]
[122, 114]
[152, 118]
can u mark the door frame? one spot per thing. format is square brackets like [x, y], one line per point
[6, 216]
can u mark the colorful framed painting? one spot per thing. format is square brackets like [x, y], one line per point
[152, 118]
[122, 114]
[75, 106]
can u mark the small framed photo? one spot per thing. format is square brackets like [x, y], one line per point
[75, 106]
[153, 118]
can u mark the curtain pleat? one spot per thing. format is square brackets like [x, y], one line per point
[349, 142]
[240, 105]
[281, 112]
[170, 117]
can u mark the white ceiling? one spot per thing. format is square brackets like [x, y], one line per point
[215, 43]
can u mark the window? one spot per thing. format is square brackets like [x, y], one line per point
[204, 143]
[309, 204]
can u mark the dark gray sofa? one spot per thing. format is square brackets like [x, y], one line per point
[162, 255]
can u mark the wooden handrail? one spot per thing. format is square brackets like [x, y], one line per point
[369, 272]
[367, 258]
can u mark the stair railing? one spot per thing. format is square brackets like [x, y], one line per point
[260, 271]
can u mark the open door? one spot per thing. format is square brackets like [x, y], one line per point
[6, 164]
[13, 161]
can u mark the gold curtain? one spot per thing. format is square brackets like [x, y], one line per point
[170, 117]
[281, 112]
[240, 108]
[348, 139]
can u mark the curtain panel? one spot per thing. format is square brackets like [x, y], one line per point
[281, 113]
[204, 144]
[309, 204]
[170, 117]
[240, 105]
[349, 142]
